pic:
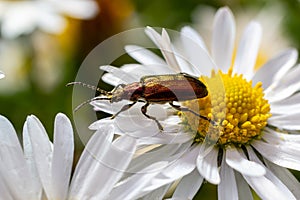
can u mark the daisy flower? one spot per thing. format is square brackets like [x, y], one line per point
[42, 169]
[252, 141]
[23, 17]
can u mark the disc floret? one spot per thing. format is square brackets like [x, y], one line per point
[239, 110]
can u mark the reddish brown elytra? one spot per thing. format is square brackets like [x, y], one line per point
[159, 89]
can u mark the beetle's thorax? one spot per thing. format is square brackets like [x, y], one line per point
[131, 92]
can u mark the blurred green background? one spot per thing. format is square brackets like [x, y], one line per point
[44, 63]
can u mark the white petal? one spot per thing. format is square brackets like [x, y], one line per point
[277, 137]
[157, 194]
[167, 138]
[285, 87]
[96, 147]
[188, 186]
[235, 160]
[265, 188]
[292, 100]
[286, 177]
[119, 73]
[191, 33]
[144, 70]
[13, 166]
[227, 189]
[110, 167]
[282, 156]
[281, 188]
[164, 44]
[4, 191]
[275, 68]
[162, 153]
[197, 56]
[208, 166]
[29, 158]
[131, 188]
[243, 187]
[247, 50]
[181, 167]
[63, 151]
[112, 80]
[42, 150]
[143, 55]
[287, 121]
[223, 38]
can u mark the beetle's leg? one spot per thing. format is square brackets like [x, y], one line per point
[185, 109]
[124, 108]
[144, 111]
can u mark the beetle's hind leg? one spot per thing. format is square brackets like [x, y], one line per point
[185, 109]
[124, 108]
[144, 111]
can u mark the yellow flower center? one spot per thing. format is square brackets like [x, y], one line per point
[239, 111]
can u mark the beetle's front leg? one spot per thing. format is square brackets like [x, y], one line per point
[185, 109]
[144, 111]
[124, 108]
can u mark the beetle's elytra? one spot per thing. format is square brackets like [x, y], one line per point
[154, 89]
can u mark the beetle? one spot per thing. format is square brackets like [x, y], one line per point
[159, 89]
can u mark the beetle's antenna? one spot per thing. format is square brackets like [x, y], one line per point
[90, 86]
[91, 100]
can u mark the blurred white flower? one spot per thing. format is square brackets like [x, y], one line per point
[1, 75]
[242, 148]
[23, 17]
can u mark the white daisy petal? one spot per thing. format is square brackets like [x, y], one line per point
[119, 73]
[197, 56]
[144, 56]
[63, 150]
[29, 158]
[113, 165]
[4, 191]
[265, 188]
[223, 38]
[247, 50]
[164, 43]
[227, 189]
[179, 168]
[97, 146]
[157, 194]
[286, 87]
[235, 160]
[277, 137]
[112, 80]
[144, 70]
[136, 182]
[282, 156]
[188, 186]
[286, 177]
[243, 188]
[281, 188]
[13, 167]
[208, 166]
[42, 149]
[287, 121]
[188, 31]
[275, 68]
[292, 100]
[167, 138]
